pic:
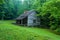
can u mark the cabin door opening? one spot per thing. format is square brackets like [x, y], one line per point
[25, 21]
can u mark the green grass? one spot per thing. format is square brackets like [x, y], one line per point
[9, 31]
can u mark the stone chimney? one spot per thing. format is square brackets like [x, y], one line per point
[25, 11]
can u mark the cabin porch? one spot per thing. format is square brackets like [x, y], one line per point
[22, 22]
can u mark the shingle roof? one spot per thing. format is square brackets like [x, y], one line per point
[22, 16]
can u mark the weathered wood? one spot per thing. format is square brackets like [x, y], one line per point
[29, 19]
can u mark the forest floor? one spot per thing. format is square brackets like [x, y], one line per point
[9, 31]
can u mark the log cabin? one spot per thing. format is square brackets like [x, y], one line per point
[28, 18]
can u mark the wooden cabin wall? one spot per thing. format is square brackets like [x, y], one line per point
[31, 17]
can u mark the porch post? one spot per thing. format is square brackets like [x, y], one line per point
[21, 22]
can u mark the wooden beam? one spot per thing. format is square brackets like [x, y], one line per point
[21, 22]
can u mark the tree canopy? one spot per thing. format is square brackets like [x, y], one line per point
[50, 14]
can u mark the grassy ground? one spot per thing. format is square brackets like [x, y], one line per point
[9, 31]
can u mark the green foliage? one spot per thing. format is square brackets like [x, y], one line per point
[58, 30]
[13, 32]
[10, 31]
[37, 4]
[13, 8]
[2, 9]
[50, 13]
[52, 8]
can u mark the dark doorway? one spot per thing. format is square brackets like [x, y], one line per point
[25, 21]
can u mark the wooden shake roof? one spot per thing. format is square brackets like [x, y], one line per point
[22, 16]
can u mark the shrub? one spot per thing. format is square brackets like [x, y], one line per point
[50, 13]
